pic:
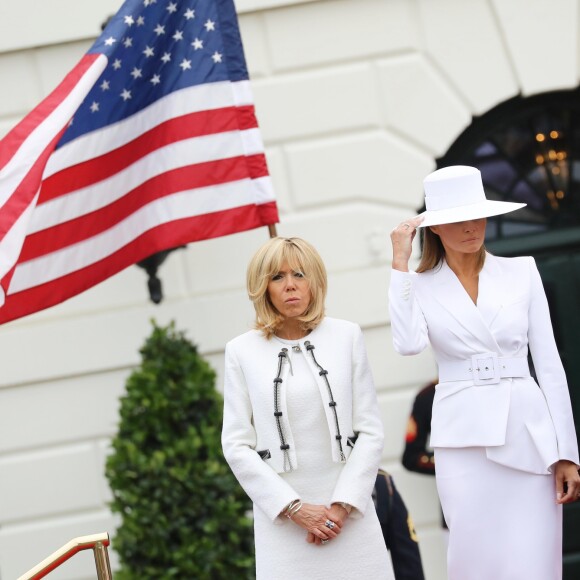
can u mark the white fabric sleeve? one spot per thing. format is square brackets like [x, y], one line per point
[408, 324]
[262, 484]
[357, 479]
[549, 369]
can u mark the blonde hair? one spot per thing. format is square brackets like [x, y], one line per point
[433, 252]
[266, 262]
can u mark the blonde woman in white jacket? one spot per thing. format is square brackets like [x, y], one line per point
[302, 431]
[506, 454]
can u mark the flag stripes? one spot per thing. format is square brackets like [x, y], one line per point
[178, 129]
[200, 176]
[198, 202]
[57, 290]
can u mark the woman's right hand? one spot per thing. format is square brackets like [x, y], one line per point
[313, 519]
[402, 239]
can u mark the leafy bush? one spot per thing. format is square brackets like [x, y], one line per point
[183, 513]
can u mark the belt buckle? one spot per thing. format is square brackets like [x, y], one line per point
[485, 369]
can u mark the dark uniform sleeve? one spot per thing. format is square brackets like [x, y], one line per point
[398, 529]
[418, 456]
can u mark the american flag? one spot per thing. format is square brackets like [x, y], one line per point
[149, 143]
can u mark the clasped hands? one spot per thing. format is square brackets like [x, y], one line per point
[313, 518]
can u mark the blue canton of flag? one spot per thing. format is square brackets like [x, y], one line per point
[155, 47]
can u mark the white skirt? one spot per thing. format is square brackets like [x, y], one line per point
[282, 552]
[504, 524]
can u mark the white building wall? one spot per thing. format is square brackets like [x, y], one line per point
[356, 99]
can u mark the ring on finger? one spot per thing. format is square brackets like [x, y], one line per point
[329, 524]
[324, 541]
[406, 226]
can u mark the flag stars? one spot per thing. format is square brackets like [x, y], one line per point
[216, 57]
[126, 95]
[159, 30]
[197, 44]
[110, 41]
[149, 52]
[140, 21]
[171, 7]
[178, 35]
[105, 86]
[136, 73]
[128, 42]
[117, 64]
[129, 20]
[166, 57]
[155, 80]
[189, 14]
[94, 107]
[209, 25]
[185, 64]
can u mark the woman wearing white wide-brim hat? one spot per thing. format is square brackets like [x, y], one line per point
[506, 454]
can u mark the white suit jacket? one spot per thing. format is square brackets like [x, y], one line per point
[249, 425]
[521, 425]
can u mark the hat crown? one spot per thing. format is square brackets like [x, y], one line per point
[453, 187]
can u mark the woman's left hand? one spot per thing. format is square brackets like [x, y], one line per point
[338, 514]
[566, 472]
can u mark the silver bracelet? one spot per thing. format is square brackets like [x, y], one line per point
[292, 511]
[290, 506]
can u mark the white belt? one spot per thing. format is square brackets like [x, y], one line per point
[484, 369]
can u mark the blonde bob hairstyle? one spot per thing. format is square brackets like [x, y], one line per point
[433, 252]
[267, 262]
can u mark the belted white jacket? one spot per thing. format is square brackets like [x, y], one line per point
[250, 437]
[521, 425]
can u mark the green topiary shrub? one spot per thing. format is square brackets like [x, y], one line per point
[183, 514]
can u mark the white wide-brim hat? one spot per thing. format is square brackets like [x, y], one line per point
[455, 194]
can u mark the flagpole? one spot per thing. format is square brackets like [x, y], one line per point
[272, 230]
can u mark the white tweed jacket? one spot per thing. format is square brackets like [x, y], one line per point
[250, 435]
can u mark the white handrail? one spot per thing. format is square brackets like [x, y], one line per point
[96, 542]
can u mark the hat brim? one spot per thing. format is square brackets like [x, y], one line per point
[464, 213]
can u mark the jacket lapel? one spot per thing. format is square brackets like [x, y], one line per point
[492, 291]
[452, 296]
